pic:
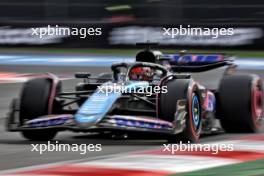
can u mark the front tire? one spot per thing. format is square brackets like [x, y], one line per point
[34, 103]
[39, 135]
[178, 90]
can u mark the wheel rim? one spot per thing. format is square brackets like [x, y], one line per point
[196, 112]
[257, 102]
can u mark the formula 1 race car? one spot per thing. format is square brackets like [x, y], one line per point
[155, 94]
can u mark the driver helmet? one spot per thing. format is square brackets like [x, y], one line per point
[141, 73]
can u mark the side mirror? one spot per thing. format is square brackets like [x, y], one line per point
[82, 75]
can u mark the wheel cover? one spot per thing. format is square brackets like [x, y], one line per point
[196, 112]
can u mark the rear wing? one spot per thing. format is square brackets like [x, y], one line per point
[193, 62]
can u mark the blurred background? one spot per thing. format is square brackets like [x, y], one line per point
[125, 22]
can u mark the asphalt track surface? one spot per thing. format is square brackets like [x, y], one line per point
[15, 152]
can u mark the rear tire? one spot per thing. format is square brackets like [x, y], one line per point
[178, 90]
[240, 103]
[34, 103]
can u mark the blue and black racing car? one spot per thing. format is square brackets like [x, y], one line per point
[155, 94]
